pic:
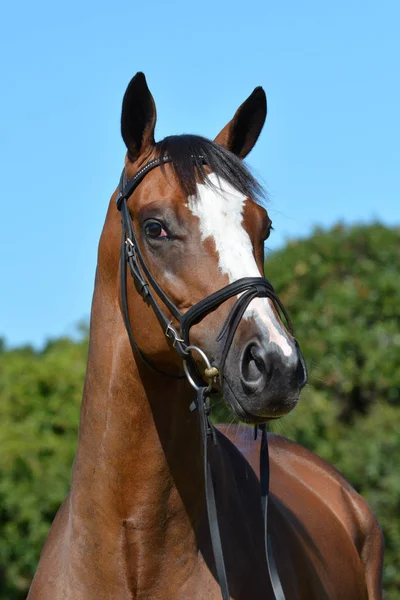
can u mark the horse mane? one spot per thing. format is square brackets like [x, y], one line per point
[194, 156]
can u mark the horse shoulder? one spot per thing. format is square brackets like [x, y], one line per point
[308, 474]
[313, 502]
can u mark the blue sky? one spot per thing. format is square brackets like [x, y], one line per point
[329, 150]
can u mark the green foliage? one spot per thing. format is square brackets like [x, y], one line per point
[40, 394]
[341, 288]
[342, 291]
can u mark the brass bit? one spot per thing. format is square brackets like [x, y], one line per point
[211, 373]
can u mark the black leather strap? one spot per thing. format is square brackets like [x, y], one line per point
[247, 289]
[140, 264]
[125, 314]
[126, 188]
[260, 285]
[264, 483]
[208, 437]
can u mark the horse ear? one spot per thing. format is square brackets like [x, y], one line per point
[138, 118]
[240, 134]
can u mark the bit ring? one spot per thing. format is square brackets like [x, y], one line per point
[206, 362]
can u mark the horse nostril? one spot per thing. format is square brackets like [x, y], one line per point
[260, 368]
[254, 367]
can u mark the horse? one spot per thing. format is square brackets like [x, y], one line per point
[134, 524]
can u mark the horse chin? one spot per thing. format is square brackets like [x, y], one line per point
[255, 410]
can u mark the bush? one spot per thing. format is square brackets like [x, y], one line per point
[341, 288]
[40, 395]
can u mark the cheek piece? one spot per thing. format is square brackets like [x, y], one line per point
[148, 288]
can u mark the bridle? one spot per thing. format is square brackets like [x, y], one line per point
[248, 288]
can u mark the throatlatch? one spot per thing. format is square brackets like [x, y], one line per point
[249, 288]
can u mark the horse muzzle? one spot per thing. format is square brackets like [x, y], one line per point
[260, 382]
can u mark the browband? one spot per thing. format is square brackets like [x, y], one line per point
[126, 188]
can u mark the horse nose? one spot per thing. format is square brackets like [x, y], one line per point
[263, 368]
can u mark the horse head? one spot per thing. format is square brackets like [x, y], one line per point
[199, 227]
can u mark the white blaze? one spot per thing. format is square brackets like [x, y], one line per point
[219, 208]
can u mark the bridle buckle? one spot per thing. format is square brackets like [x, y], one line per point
[130, 248]
[172, 334]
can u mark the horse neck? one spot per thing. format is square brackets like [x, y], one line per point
[138, 461]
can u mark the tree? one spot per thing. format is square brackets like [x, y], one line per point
[342, 290]
[40, 395]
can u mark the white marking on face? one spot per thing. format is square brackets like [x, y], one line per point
[219, 208]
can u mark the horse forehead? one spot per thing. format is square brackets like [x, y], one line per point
[220, 210]
[219, 207]
[161, 185]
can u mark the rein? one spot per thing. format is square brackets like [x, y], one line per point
[248, 288]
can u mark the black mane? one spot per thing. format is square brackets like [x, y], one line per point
[192, 154]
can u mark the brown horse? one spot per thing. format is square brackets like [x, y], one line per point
[134, 525]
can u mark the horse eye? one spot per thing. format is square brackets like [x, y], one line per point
[267, 231]
[154, 229]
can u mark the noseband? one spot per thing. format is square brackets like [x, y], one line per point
[249, 288]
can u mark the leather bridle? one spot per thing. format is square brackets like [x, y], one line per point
[248, 288]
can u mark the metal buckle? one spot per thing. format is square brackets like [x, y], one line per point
[130, 247]
[171, 333]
